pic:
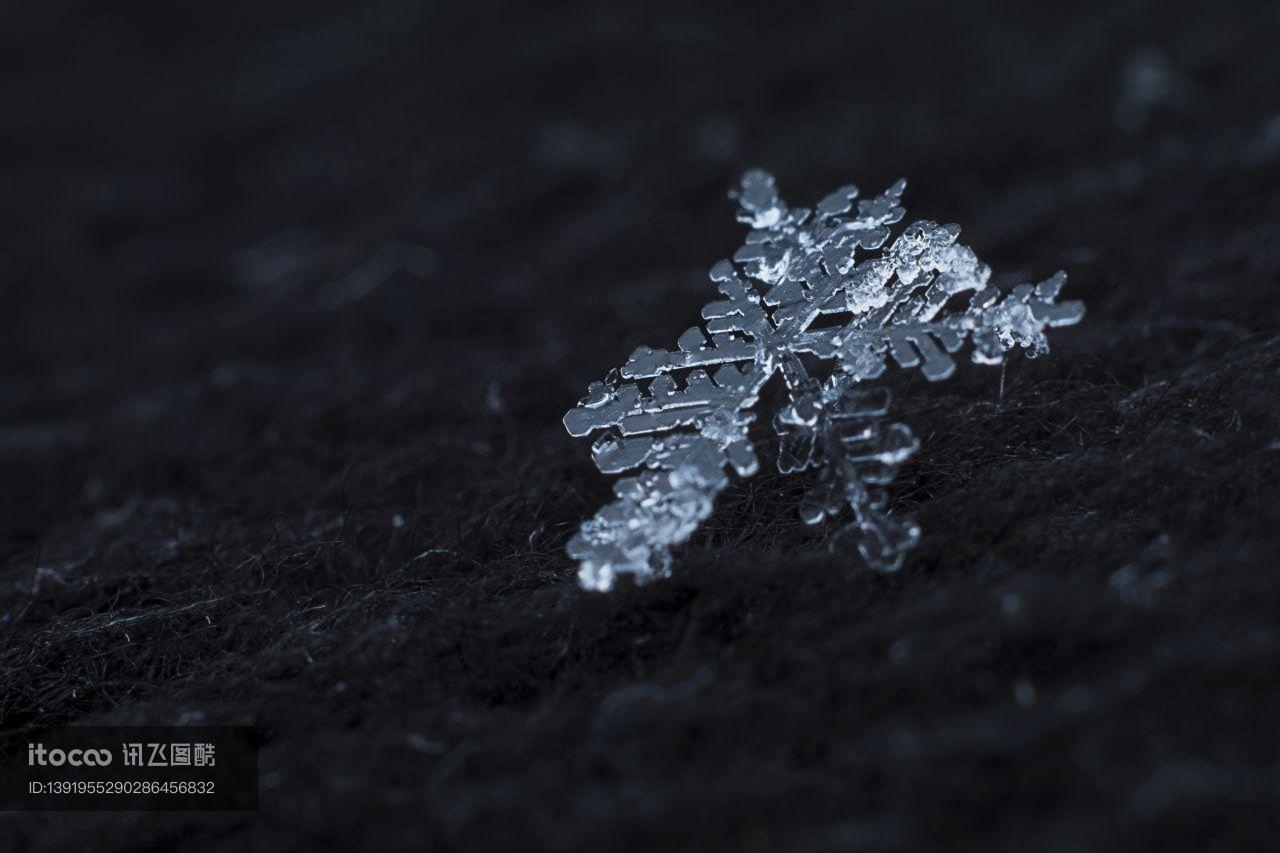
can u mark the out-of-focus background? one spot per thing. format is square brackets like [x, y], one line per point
[294, 295]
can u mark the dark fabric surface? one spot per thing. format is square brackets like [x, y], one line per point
[295, 295]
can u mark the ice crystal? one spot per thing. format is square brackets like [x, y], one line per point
[682, 427]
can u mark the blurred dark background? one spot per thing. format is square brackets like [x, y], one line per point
[294, 295]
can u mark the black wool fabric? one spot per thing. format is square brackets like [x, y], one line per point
[295, 297]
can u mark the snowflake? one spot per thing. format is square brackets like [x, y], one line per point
[681, 417]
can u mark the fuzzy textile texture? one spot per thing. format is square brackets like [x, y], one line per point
[294, 300]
